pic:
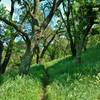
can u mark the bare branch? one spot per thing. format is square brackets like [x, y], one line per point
[12, 7]
[50, 15]
[17, 28]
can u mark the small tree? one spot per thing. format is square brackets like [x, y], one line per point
[78, 18]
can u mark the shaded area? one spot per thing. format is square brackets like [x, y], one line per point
[90, 65]
[62, 74]
[37, 75]
[69, 81]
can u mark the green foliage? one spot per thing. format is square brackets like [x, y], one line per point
[59, 48]
[3, 11]
[93, 41]
[67, 80]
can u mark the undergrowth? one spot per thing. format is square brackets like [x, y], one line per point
[67, 80]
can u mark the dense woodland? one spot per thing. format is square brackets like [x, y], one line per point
[46, 41]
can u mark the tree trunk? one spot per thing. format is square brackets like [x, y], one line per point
[8, 54]
[79, 47]
[37, 59]
[85, 44]
[37, 55]
[73, 48]
[1, 50]
[78, 53]
[26, 61]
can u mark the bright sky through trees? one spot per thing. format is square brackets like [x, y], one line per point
[6, 3]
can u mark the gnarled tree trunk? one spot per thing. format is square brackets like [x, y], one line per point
[26, 61]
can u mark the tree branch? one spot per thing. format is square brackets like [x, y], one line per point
[12, 8]
[50, 15]
[17, 28]
[46, 45]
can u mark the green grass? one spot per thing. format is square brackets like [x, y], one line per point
[21, 89]
[67, 80]
[15, 87]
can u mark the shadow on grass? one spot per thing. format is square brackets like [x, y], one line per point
[35, 72]
[9, 74]
[56, 71]
[90, 66]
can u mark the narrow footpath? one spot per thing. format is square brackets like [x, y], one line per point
[45, 82]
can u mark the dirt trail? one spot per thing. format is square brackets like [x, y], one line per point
[45, 82]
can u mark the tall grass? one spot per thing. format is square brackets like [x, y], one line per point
[69, 81]
[15, 87]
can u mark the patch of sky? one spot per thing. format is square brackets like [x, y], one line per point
[44, 5]
[6, 3]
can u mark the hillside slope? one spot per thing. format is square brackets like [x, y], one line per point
[66, 80]
[69, 81]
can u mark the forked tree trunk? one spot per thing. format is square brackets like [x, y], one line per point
[8, 54]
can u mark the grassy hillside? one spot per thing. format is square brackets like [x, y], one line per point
[66, 80]
[69, 81]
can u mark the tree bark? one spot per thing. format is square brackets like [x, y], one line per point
[37, 55]
[79, 47]
[1, 50]
[26, 61]
[78, 53]
[67, 25]
[73, 49]
[8, 54]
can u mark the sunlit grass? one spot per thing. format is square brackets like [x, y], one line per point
[21, 89]
[15, 87]
[67, 80]
[84, 88]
